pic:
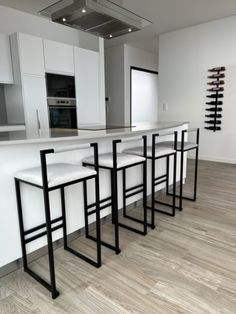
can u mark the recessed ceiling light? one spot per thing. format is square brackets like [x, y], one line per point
[83, 11]
[63, 19]
[110, 36]
[130, 30]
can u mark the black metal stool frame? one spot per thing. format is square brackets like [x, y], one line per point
[182, 150]
[113, 198]
[162, 179]
[49, 222]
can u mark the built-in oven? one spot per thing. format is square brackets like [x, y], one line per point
[62, 113]
[61, 101]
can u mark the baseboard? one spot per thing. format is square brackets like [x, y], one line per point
[211, 158]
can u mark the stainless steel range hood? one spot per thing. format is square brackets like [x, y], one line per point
[102, 18]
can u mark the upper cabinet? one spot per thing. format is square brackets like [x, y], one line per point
[87, 85]
[31, 54]
[6, 75]
[59, 57]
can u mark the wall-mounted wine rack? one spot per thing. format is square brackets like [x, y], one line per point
[215, 103]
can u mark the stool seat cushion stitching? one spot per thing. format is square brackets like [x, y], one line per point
[59, 173]
[160, 151]
[123, 160]
[170, 144]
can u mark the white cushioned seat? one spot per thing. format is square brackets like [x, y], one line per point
[58, 174]
[123, 160]
[160, 151]
[170, 144]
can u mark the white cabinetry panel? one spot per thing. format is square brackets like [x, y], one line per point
[87, 86]
[59, 57]
[35, 102]
[31, 54]
[6, 75]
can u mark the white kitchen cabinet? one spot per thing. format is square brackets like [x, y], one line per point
[31, 54]
[59, 57]
[87, 86]
[35, 102]
[6, 75]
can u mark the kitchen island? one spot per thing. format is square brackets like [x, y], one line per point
[20, 150]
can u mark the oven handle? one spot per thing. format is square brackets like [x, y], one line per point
[62, 107]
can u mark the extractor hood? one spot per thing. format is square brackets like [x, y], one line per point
[102, 18]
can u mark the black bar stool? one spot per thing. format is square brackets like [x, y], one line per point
[116, 162]
[49, 178]
[184, 147]
[154, 153]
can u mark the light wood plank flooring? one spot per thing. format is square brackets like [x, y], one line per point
[186, 265]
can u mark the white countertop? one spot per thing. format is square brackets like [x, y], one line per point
[57, 135]
[11, 127]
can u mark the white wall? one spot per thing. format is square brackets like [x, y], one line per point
[141, 59]
[118, 60]
[184, 58]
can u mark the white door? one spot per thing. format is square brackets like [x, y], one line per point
[144, 96]
[35, 102]
[87, 86]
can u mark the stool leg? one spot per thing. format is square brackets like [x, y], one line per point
[145, 197]
[153, 195]
[196, 174]
[112, 194]
[124, 191]
[54, 291]
[21, 224]
[167, 173]
[63, 209]
[174, 184]
[86, 208]
[98, 221]
[115, 210]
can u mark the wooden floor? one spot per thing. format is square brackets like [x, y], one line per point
[186, 265]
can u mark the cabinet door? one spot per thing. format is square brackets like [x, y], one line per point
[6, 75]
[59, 58]
[35, 102]
[31, 54]
[87, 86]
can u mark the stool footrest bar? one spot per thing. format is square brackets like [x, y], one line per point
[42, 226]
[132, 229]
[83, 257]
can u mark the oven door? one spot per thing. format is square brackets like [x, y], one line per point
[63, 117]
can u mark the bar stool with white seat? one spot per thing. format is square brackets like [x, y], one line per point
[182, 148]
[49, 178]
[116, 162]
[155, 153]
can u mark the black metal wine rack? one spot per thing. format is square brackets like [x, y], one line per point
[215, 103]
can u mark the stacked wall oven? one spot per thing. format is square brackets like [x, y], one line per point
[61, 101]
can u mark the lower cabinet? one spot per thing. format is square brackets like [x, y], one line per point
[35, 102]
[87, 86]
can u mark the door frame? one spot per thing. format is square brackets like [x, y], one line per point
[141, 70]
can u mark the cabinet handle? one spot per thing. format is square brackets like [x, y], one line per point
[38, 119]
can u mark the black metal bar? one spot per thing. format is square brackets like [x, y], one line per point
[160, 182]
[145, 185]
[83, 257]
[131, 229]
[196, 165]
[63, 209]
[109, 246]
[85, 208]
[181, 170]
[133, 188]
[101, 208]
[161, 211]
[174, 172]
[124, 191]
[41, 281]
[134, 193]
[101, 201]
[21, 223]
[153, 179]
[42, 226]
[48, 222]
[161, 177]
[42, 234]
[167, 172]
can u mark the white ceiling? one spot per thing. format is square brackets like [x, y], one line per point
[166, 15]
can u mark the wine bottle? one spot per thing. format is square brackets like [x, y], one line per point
[214, 109]
[213, 122]
[213, 128]
[214, 103]
[213, 116]
[217, 69]
[216, 89]
[215, 96]
[220, 75]
[216, 83]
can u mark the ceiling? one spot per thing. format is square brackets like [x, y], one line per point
[166, 15]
